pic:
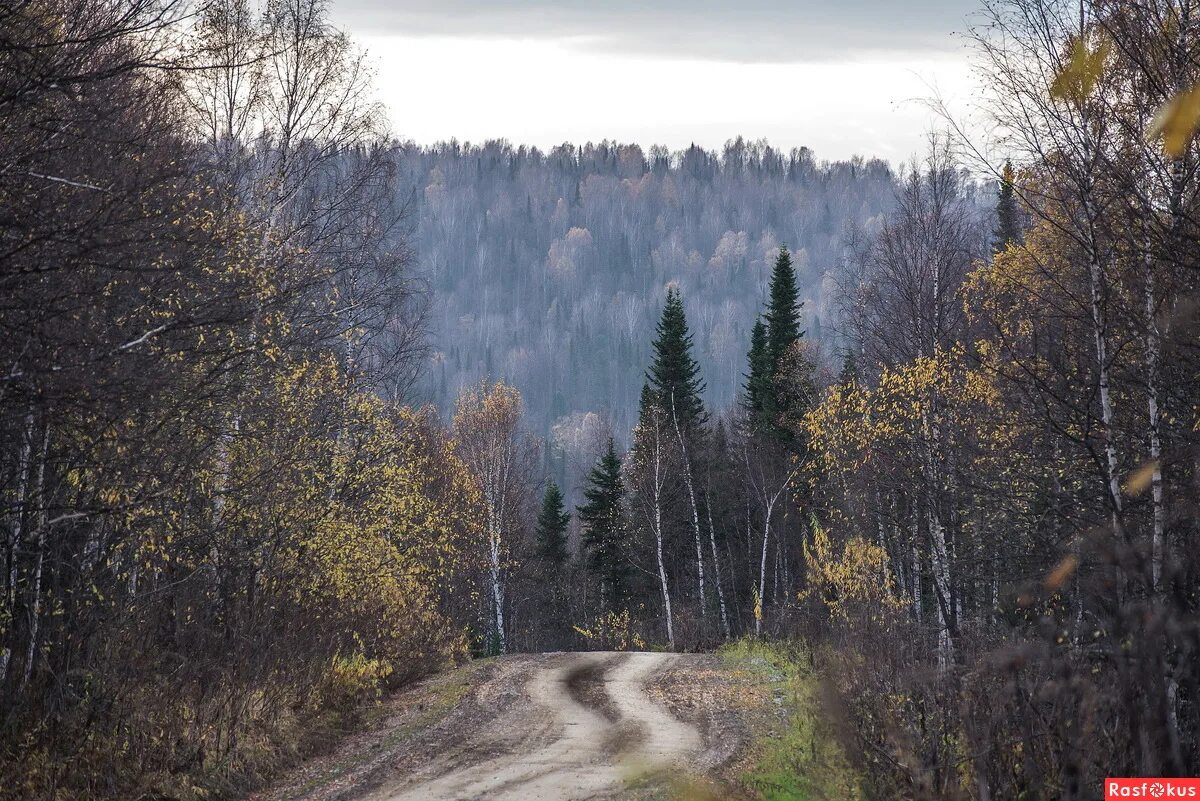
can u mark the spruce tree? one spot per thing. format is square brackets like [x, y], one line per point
[1008, 224]
[552, 524]
[788, 388]
[783, 310]
[648, 407]
[758, 379]
[603, 520]
[674, 376]
[849, 375]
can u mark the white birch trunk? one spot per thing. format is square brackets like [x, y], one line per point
[496, 582]
[939, 556]
[17, 532]
[1100, 335]
[941, 581]
[915, 576]
[1153, 357]
[35, 611]
[659, 478]
[762, 575]
[662, 577]
[712, 541]
[687, 480]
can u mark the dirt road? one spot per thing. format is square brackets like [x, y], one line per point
[607, 731]
[536, 727]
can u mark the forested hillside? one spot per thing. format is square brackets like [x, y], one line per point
[548, 269]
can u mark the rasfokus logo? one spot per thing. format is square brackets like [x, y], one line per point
[1151, 788]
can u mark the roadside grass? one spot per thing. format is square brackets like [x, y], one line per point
[387, 726]
[795, 757]
[663, 786]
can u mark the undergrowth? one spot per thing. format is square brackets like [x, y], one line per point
[796, 757]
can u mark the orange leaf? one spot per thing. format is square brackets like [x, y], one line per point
[1140, 479]
[1059, 575]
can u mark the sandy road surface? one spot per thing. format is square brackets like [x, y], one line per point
[603, 730]
[544, 727]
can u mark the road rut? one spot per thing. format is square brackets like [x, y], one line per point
[605, 731]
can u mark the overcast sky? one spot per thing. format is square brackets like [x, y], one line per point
[841, 77]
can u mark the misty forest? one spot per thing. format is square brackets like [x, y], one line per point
[298, 418]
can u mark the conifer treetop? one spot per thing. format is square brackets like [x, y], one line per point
[674, 375]
[783, 309]
[552, 522]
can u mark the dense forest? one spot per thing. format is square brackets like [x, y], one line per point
[292, 414]
[548, 270]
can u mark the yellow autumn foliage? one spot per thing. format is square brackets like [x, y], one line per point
[382, 537]
[938, 398]
[611, 631]
[853, 581]
[1081, 69]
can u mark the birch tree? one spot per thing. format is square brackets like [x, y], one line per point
[487, 427]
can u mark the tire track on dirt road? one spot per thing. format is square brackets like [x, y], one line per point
[593, 755]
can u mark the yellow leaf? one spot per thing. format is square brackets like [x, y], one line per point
[1177, 120]
[1080, 72]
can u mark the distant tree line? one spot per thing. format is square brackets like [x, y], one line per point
[548, 268]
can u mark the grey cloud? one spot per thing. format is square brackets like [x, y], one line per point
[746, 31]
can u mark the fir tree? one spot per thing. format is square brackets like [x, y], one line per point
[674, 376]
[1008, 224]
[603, 520]
[552, 524]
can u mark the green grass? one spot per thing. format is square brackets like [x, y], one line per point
[796, 757]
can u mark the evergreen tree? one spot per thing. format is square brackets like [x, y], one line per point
[758, 379]
[552, 524]
[783, 310]
[647, 408]
[647, 404]
[783, 377]
[674, 376]
[850, 374]
[1008, 224]
[720, 441]
[603, 519]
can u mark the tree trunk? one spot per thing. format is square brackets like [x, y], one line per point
[687, 480]
[496, 582]
[1096, 279]
[762, 575]
[658, 537]
[662, 580]
[712, 541]
[915, 575]
[16, 534]
[35, 609]
[941, 585]
[1153, 357]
